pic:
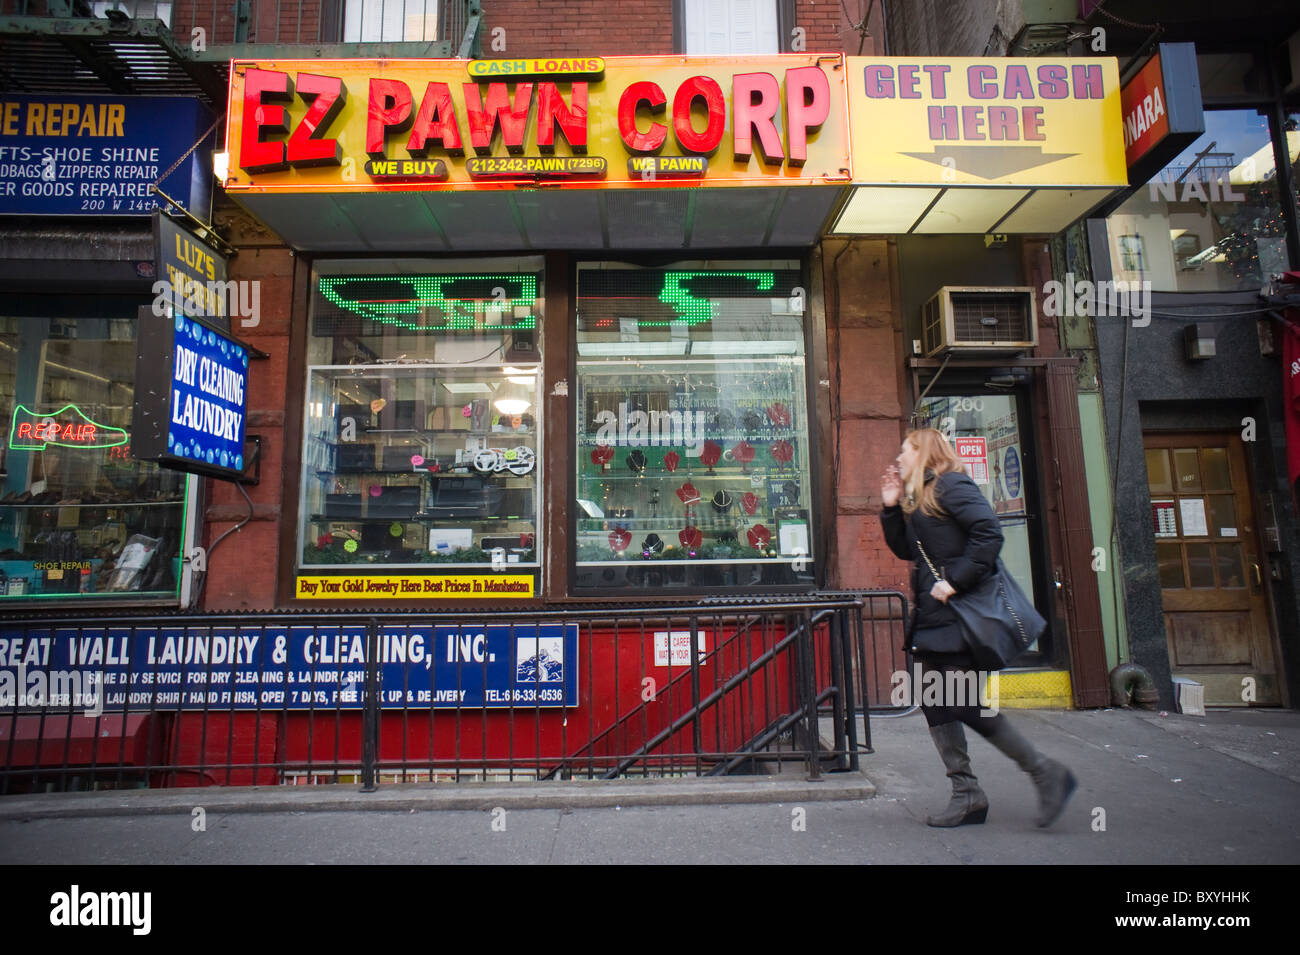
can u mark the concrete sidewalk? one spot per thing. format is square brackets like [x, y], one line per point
[1170, 789]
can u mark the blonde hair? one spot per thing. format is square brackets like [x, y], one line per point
[933, 455]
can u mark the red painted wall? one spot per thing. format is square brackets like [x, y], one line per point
[613, 670]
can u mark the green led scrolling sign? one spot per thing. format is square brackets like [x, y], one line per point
[31, 431]
[695, 309]
[469, 302]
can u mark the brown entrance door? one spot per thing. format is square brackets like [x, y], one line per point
[1211, 577]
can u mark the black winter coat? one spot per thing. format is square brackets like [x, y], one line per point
[963, 544]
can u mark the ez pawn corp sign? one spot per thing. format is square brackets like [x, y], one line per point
[328, 126]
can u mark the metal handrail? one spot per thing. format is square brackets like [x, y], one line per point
[683, 674]
[701, 705]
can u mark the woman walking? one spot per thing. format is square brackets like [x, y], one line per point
[928, 498]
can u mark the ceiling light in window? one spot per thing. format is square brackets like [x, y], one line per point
[745, 348]
[467, 388]
[626, 349]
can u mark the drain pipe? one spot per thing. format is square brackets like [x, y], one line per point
[1130, 683]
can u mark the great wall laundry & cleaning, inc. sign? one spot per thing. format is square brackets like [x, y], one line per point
[121, 669]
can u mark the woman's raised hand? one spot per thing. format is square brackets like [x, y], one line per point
[891, 486]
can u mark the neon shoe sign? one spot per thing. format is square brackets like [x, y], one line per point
[31, 431]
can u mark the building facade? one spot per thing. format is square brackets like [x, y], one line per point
[577, 314]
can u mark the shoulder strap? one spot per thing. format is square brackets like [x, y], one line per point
[933, 572]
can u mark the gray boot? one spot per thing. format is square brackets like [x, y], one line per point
[969, 805]
[1055, 783]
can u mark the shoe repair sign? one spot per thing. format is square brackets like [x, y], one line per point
[298, 668]
[63, 154]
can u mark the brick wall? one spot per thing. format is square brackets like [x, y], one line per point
[577, 27]
[242, 569]
[645, 27]
[864, 348]
[832, 26]
[590, 27]
[550, 27]
[944, 28]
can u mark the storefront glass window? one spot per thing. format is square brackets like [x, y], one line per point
[692, 426]
[986, 433]
[422, 430]
[1210, 220]
[79, 516]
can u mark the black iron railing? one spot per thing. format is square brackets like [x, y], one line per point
[269, 699]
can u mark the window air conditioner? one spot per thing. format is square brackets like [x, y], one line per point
[979, 321]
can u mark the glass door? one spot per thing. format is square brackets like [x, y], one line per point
[985, 430]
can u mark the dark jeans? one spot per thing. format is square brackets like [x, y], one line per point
[949, 691]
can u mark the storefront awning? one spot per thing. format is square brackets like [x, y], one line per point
[678, 218]
[976, 145]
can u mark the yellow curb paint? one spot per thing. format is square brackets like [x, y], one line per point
[1039, 689]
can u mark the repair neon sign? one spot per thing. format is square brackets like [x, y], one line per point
[31, 431]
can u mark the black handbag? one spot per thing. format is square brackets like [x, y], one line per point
[998, 621]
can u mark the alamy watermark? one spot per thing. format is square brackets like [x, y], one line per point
[651, 428]
[1098, 299]
[52, 689]
[78, 907]
[233, 298]
[957, 688]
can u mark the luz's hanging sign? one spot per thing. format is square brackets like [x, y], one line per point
[192, 275]
[365, 126]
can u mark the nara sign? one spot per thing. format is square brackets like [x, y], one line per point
[366, 126]
[1162, 110]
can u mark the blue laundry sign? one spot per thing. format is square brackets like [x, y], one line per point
[296, 668]
[191, 396]
[209, 375]
[63, 154]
